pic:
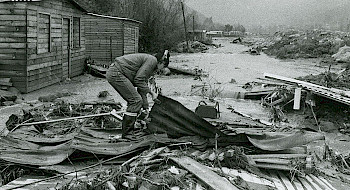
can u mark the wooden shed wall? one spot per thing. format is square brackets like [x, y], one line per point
[104, 38]
[108, 38]
[131, 37]
[13, 43]
[47, 67]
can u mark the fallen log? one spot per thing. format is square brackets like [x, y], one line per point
[186, 71]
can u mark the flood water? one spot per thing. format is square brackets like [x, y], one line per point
[227, 63]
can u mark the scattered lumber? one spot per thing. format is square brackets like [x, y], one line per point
[212, 179]
[7, 96]
[287, 162]
[258, 94]
[97, 70]
[112, 113]
[5, 83]
[330, 93]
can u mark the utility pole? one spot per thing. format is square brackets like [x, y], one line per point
[193, 27]
[183, 14]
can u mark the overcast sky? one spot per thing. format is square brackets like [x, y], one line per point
[264, 12]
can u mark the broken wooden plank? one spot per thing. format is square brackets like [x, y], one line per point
[248, 177]
[286, 156]
[112, 113]
[148, 157]
[273, 161]
[5, 83]
[274, 166]
[209, 177]
[5, 80]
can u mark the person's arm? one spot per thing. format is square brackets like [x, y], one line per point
[143, 74]
[145, 104]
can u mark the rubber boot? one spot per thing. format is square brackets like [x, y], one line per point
[128, 125]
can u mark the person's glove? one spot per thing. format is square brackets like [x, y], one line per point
[157, 101]
[155, 98]
[143, 115]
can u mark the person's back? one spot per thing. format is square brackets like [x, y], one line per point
[131, 64]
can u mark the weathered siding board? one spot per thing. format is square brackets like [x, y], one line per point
[47, 49]
[13, 43]
[44, 42]
[105, 38]
[131, 36]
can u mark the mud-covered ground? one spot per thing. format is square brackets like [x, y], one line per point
[223, 64]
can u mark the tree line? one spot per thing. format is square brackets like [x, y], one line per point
[162, 22]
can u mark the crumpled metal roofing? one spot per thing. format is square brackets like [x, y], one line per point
[170, 117]
[176, 120]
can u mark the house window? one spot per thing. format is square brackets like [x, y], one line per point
[76, 32]
[44, 33]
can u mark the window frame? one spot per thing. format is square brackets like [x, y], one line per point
[50, 35]
[79, 34]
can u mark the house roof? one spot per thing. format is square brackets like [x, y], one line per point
[113, 17]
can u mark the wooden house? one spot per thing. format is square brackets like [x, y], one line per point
[108, 37]
[41, 42]
[44, 42]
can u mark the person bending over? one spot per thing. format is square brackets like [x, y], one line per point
[129, 76]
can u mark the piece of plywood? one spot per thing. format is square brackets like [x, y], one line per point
[212, 179]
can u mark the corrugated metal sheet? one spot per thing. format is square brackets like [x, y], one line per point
[176, 120]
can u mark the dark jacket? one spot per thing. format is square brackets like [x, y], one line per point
[138, 68]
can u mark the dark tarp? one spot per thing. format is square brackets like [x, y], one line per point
[173, 118]
[281, 141]
[176, 120]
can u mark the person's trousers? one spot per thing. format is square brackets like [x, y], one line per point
[126, 90]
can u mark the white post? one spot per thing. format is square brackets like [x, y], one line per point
[297, 98]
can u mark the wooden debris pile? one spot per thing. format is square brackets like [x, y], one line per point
[5, 83]
[8, 93]
[324, 105]
[94, 157]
